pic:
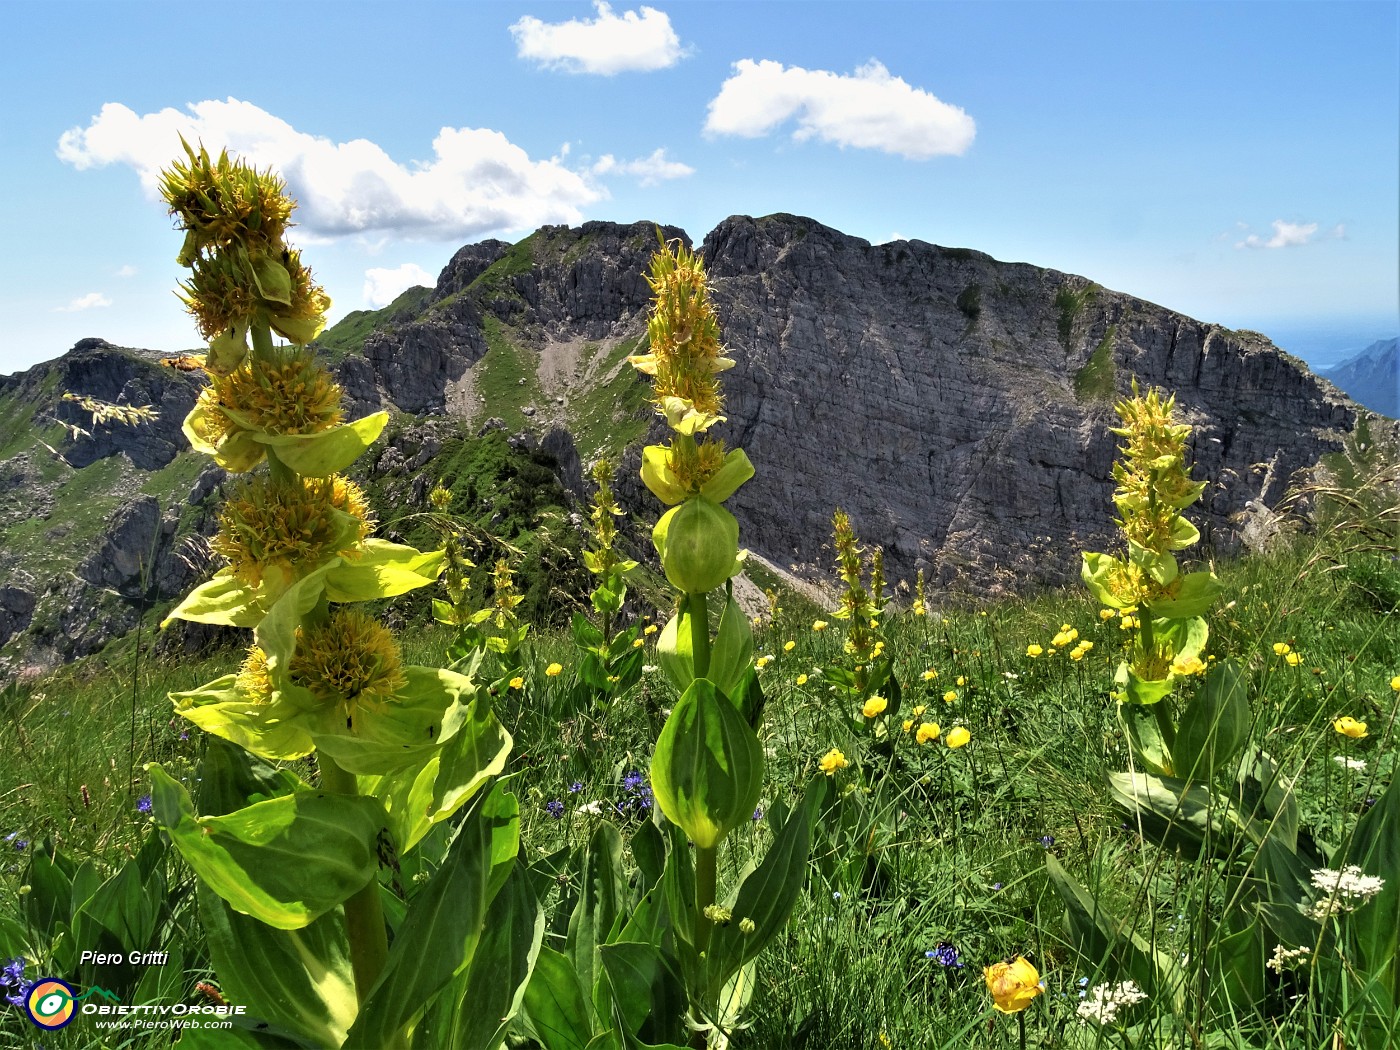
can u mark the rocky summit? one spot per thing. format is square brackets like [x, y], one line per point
[957, 407]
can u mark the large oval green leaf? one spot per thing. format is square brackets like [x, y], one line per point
[707, 770]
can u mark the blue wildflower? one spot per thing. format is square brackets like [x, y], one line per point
[143, 804]
[945, 955]
[758, 813]
[554, 808]
[1047, 841]
[575, 787]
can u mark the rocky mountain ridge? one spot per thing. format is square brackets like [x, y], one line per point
[956, 406]
[1371, 377]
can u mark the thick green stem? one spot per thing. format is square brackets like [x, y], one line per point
[261, 336]
[699, 634]
[364, 915]
[705, 865]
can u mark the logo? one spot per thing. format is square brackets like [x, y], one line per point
[49, 1004]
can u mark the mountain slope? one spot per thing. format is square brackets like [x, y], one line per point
[1372, 377]
[956, 406]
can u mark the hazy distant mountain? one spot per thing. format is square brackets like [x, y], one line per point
[1372, 377]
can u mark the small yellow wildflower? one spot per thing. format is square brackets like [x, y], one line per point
[554, 670]
[1128, 623]
[1105, 614]
[908, 724]
[758, 621]
[1065, 635]
[517, 682]
[1013, 985]
[1282, 648]
[920, 710]
[1085, 644]
[763, 661]
[1076, 654]
[802, 679]
[962, 680]
[788, 646]
[1033, 650]
[1395, 683]
[1190, 665]
[1293, 659]
[957, 736]
[1349, 726]
[927, 731]
[875, 706]
[931, 674]
[819, 625]
[949, 696]
[885, 1041]
[637, 643]
[832, 761]
[649, 629]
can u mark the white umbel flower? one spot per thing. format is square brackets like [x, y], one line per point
[1104, 1001]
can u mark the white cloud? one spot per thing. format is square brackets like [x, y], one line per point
[84, 302]
[869, 110]
[383, 286]
[608, 44]
[648, 170]
[1289, 235]
[478, 182]
[127, 271]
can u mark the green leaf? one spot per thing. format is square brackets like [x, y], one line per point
[1184, 534]
[1214, 725]
[50, 897]
[329, 451]
[673, 648]
[440, 932]
[429, 710]
[735, 470]
[1193, 594]
[1375, 847]
[731, 653]
[765, 896]
[1106, 941]
[1160, 567]
[1098, 572]
[268, 730]
[500, 969]
[1172, 812]
[273, 281]
[601, 899]
[227, 350]
[383, 570]
[299, 981]
[221, 600]
[285, 860]
[416, 798]
[556, 1008]
[650, 1001]
[707, 770]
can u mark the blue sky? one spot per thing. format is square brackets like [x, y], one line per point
[1234, 161]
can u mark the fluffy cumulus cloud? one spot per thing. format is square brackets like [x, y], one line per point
[647, 170]
[869, 109]
[91, 301]
[634, 41]
[478, 182]
[383, 286]
[1290, 235]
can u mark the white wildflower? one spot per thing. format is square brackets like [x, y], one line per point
[1283, 957]
[592, 809]
[1356, 764]
[1105, 1000]
[1350, 884]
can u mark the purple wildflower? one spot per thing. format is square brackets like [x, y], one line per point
[554, 808]
[758, 813]
[575, 787]
[143, 804]
[945, 955]
[1047, 841]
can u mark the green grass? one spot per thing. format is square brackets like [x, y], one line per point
[498, 376]
[1097, 379]
[347, 336]
[612, 415]
[1069, 304]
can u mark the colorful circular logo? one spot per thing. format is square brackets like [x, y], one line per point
[50, 1004]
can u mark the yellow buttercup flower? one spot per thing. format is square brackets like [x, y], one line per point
[961, 680]
[789, 646]
[875, 706]
[1033, 650]
[1106, 614]
[1014, 985]
[1190, 665]
[637, 643]
[517, 682]
[802, 679]
[832, 761]
[931, 674]
[553, 670]
[819, 625]
[949, 696]
[957, 736]
[649, 629]
[908, 724]
[1395, 683]
[927, 731]
[1065, 635]
[1349, 726]
[920, 710]
[1282, 648]
[762, 662]
[1293, 659]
